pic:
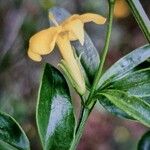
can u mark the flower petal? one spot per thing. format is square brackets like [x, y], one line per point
[76, 31]
[70, 19]
[43, 42]
[88, 17]
[70, 63]
[65, 47]
[34, 56]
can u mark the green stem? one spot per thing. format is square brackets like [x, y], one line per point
[86, 110]
[80, 118]
[140, 16]
[104, 51]
[81, 126]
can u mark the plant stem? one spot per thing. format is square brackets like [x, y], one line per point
[81, 126]
[104, 51]
[80, 118]
[86, 110]
[140, 16]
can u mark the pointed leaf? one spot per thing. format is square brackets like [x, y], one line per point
[55, 117]
[110, 107]
[136, 83]
[130, 63]
[11, 134]
[125, 64]
[133, 106]
[89, 55]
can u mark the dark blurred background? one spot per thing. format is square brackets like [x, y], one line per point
[19, 76]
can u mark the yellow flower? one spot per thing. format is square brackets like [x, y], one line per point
[43, 42]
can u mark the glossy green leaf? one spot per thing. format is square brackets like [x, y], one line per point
[110, 107]
[125, 65]
[140, 16]
[55, 117]
[6, 146]
[133, 106]
[12, 137]
[136, 83]
[89, 55]
[144, 143]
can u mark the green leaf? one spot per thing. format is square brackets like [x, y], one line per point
[54, 114]
[6, 146]
[125, 65]
[121, 71]
[89, 55]
[11, 134]
[110, 107]
[133, 106]
[144, 143]
[140, 16]
[136, 83]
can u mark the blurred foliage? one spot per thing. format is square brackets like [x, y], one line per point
[19, 76]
